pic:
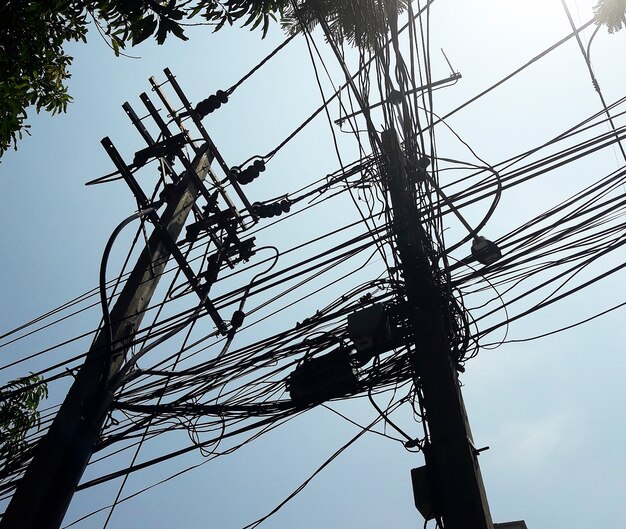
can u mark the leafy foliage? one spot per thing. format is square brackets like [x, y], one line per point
[18, 414]
[611, 13]
[359, 22]
[34, 65]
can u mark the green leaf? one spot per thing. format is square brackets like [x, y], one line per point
[143, 29]
[178, 31]
[116, 46]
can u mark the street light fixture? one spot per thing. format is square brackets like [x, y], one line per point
[485, 251]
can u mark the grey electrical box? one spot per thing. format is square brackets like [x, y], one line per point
[322, 378]
[368, 327]
[423, 493]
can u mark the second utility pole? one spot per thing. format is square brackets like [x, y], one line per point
[44, 493]
[456, 486]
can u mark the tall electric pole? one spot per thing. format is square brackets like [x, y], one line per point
[44, 493]
[456, 487]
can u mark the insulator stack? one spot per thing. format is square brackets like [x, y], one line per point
[211, 103]
[271, 210]
[248, 174]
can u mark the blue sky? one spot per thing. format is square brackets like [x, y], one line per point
[551, 410]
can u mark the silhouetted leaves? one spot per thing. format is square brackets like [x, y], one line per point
[359, 22]
[611, 13]
[18, 414]
[32, 34]
[33, 63]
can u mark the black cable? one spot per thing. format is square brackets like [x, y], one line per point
[336, 454]
[594, 81]
[260, 65]
[561, 329]
[513, 74]
[106, 317]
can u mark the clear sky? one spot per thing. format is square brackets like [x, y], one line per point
[551, 410]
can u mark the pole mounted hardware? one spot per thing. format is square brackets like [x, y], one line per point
[45, 491]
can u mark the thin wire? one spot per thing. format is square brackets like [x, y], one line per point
[260, 65]
[517, 71]
[594, 81]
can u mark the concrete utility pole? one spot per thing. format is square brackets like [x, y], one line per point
[44, 493]
[456, 487]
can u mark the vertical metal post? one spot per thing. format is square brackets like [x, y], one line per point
[452, 458]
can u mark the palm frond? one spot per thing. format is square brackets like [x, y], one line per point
[360, 23]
